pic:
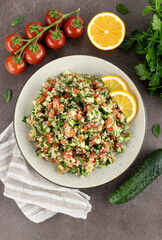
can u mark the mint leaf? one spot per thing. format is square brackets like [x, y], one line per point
[156, 23]
[156, 130]
[24, 119]
[122, 9]
[17, 21]
[142, 71]
[147, 10]
[7, 95]
[126, 44]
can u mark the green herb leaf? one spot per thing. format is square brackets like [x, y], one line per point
[139, 35]
[122, 9]
[156, 130]
[155, 80]
[8, 94]
[153, 93]
[140, 48]
[24, 119]
[17, 21]
[142, 71]
[147, 10]
[152, 2]
[156, 23]
[159, 49]
[126, 44]
[151, 58]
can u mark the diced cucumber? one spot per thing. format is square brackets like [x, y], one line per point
[104, 110]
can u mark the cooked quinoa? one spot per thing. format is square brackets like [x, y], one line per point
[76, 124]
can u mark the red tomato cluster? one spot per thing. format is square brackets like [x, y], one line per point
[34, 53]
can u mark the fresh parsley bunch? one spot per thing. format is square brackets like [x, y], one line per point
[149, 44]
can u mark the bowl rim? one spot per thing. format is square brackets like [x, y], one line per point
[142, 142]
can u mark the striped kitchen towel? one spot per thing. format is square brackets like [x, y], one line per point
[38, 198]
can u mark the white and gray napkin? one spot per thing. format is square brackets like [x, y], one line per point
[38, 198]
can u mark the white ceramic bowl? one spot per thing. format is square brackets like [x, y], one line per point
[80, 64]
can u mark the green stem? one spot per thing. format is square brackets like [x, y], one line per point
[45, 29]
[78, 15]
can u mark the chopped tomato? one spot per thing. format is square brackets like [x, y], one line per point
[78, 116]
[55, 110]
[75, 90]
[56, 101]
[89, 125]
[45, 93]
[48, 123]
[42, 99]
[45, 150]
[66, 125]
[95, 95]
[126, 134]
[56, 97]
[49, 105]
[71, 133]
[66, 95]
[103, 104]
[119, 124]
[51, 114]
[99, 90]
[85, 129]
[68, 154]
[88, 108]
[99, 127]
[115, 143]
[106, 147]
[81, 139]
[37, 143]
[110, 129]
[50, 88]
[46, 85]
[58, 162]
[109, 121]
[115, 111]
[49, 137]
[95, 83]
[64, 141]
[60, 171]
[61, 108]
[91, 156]
[55, 145]
[31, 120]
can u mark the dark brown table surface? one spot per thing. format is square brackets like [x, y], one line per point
[138, 219]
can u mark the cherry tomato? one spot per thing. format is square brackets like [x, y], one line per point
[32, 29]
[14, 66]
[13, 42]
[53, 15]
[55, 39]
[34, 53]
[74, 27]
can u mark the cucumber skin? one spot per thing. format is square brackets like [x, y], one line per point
[147, 172]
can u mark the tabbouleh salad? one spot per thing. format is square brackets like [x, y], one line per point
[76, 124]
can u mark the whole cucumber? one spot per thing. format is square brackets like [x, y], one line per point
[148, 171]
